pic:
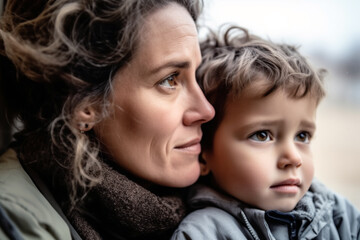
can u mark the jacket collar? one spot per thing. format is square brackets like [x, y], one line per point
[309, 213]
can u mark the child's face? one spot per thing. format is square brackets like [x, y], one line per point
[261, 153]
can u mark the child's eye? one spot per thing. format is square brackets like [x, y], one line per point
[170, 81]
[303, 137]
[261, 136]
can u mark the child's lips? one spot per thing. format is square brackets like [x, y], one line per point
[291, 185]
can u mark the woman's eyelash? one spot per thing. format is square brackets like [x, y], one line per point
[169, 81]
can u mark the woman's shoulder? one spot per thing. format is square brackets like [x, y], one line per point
[29, 210]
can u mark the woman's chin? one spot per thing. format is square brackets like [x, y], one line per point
[179, 178]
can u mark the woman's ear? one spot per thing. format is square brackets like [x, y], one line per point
[204, 166]
[84, 118]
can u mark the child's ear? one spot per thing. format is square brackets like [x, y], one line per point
[84, 118]
[204, 166]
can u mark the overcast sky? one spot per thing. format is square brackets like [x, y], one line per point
[329, 25]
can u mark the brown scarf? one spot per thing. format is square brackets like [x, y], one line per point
[120, 208]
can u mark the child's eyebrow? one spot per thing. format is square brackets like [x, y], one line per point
[308, 124]
[260, 124]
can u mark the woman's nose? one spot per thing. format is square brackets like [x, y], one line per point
[290, 156]
[199, 110]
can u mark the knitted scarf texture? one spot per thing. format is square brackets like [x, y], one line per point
[120, 208]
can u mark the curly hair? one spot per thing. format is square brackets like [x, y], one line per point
[233, 59]
[58, 56]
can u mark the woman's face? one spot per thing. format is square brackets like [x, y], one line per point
[154, 131]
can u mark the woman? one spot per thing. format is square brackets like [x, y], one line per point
[110, 107]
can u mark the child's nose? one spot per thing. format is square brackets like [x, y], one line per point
[290, 156]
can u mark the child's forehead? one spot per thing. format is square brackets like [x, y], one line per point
[255, 88]
[262, 87]
[253, 100]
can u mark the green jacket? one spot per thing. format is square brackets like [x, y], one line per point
[23, 203]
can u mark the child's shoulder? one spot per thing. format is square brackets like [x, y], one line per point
[340, 208]
[208, 223]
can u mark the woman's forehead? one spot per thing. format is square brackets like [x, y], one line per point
[169, 20]
[169, 36]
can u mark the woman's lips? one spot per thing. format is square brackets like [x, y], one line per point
[291, 186]
[192, 146]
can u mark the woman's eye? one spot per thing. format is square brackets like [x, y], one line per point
[169, 82]
[303, 137]
[261, 136]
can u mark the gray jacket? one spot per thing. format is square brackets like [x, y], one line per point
[25, 212]
[320, 214]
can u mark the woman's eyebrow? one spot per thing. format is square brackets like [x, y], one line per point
[171, 64]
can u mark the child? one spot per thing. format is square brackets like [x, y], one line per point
[256, 151]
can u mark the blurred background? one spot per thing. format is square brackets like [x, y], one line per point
[328, 34]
